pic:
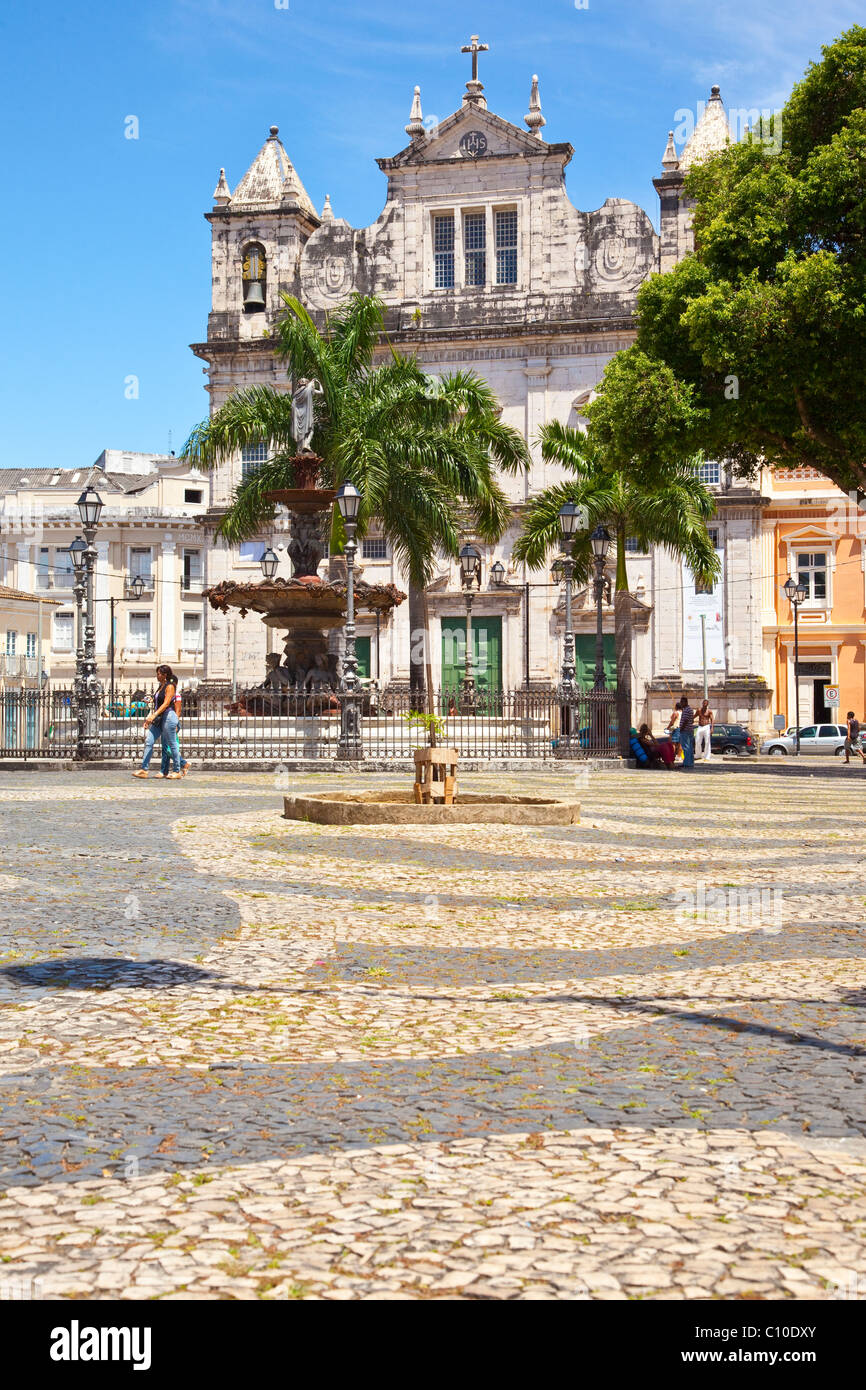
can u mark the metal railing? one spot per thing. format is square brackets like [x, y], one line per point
[258, 725]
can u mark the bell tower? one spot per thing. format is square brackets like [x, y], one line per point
[258, 233]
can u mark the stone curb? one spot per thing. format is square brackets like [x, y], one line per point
[327, 765]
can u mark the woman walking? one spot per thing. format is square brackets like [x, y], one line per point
[162, 722]
[166, 750]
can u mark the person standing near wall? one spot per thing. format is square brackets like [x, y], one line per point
[687, 732]
[704, 736]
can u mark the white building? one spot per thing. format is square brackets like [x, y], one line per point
[152, 526]
[485, 264]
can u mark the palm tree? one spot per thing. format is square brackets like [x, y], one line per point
[424, 454]
[671, 510]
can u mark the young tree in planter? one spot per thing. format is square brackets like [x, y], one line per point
[424, 454]
[669, 508]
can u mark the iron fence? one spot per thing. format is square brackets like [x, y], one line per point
[260, 726]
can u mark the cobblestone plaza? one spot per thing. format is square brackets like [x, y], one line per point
[245, 1057]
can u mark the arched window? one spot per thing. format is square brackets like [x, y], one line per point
[254, 278]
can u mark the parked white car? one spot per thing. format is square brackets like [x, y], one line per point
[814, 738]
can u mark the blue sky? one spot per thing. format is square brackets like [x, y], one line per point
[106, 255]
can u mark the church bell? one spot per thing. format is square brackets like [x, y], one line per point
[254, 300]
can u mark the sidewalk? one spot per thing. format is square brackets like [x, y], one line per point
[785, 767]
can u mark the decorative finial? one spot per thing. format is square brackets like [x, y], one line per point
[715, 93]
[670, 162]
[327, 210]
[415, 128]
[291, 190]
[534, 118]
[222, 194]
[473, 95]
[275, 130]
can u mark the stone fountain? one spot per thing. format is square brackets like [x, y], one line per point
[306, 607]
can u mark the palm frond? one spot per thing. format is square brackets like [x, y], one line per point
[252, 416]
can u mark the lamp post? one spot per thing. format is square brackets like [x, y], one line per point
[349, 503]
[134, 589]
[600, 542]
[795, 591]
[269, 563]
[570, 518]
[87, 687]
[470, 577]
[77, 553]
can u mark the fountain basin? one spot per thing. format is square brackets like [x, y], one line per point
[399, 808]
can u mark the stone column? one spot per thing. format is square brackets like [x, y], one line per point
[25, 578]
[170, 592]
[536, 371]
[100, 594]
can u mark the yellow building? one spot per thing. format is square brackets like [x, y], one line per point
[25, 637]
[817, 534]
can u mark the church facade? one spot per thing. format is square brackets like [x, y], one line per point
[484, 264]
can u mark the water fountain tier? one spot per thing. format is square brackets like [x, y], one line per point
[306, 607]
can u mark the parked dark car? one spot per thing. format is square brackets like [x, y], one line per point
[733, 738]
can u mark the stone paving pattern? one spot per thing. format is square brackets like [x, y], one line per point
[247, 1057]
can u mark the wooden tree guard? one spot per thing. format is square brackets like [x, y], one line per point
[435, 775]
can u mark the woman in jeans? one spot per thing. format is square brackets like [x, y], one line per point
[166, 751]
[163, 722]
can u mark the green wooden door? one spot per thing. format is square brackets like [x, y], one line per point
[362, 652]
[584, 660]
[486, 653]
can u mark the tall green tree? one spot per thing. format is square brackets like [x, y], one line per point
[670, 509]
[766, 321]
[424, 454]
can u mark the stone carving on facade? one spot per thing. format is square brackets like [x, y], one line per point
[336, 276]
[473, 144]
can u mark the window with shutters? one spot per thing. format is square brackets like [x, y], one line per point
[63, 632]
[139, 632]
[505, 226]
[812, 572]
[251, 457]
[443, 250]
[475, 248]
[192, 630]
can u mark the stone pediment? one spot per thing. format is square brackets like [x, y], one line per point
[472, 134]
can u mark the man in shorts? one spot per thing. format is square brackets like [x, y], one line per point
[852, 740]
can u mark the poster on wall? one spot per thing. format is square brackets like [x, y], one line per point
[711, 606]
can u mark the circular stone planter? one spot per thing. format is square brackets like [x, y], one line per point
[400, 808]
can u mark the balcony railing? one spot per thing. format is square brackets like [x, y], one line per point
[21, 666]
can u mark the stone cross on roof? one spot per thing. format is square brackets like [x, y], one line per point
[473, 95]
[475, 48]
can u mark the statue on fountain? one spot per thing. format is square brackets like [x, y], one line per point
[304, 414]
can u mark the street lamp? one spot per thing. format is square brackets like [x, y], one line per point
[270, 563]
[570, 517]
[88, 691]
[77, 553]
[89, 508]
[470, 577]
[497, 573]
[137, 586]
[600, 542]
[795, 592]
[349, 503]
